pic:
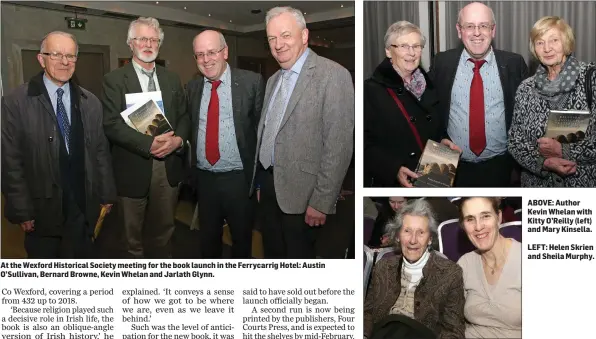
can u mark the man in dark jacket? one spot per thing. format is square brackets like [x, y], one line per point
[148, 169]
[56, 166]
[225, 107]
[476, 87]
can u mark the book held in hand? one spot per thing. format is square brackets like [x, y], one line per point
[147, 118]
[567, 126]
[437, 166]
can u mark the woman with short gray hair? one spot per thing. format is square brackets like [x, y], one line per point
[400, 110]
[417, 282]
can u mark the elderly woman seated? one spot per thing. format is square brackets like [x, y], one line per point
[559, 84]
[400, 111]
[492, 273]
[417, 282]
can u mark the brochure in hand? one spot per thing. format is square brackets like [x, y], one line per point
[437, 166]
[567, 126]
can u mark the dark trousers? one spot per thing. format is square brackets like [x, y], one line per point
[494, 172]
[74, 242]
[149, 221]
[224, 196]
[285, 236]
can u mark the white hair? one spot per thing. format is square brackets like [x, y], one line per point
[275, 11]
[419, 208]
[400, 28]
[151, 22]
[42, 46]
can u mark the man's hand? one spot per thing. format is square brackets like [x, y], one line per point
[169, 143]
[451, 145]
[107, 206]
[314, 218]
[403, 176]
[550, 148]
[560, 166]
[28, 226]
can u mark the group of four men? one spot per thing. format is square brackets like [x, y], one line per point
[65, 153]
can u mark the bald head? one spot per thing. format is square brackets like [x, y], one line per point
[210, 35]
[474, 10]
[211, 52]
[476, 29]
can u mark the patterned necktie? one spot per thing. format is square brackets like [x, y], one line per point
[276, 114]
[212, 134]
[63, 122]
[149, 74]
[477, 132]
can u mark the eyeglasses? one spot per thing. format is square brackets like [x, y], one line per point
[406, 48]
[144, 40]
[484, 28]
[60, 56]
[210, 54]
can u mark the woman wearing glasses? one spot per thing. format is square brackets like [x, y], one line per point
[400, 110]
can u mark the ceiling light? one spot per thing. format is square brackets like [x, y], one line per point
[157, 2]
[342, 6]
[209, 14]
[184, 7]
[230, 20]
[304, 13]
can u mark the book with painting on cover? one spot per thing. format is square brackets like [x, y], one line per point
[567, 126]
[147, 118]
[437, 166]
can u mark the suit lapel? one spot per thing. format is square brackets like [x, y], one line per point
[164, 86]
[306, 74]
[237, 105]
[503, 75]
[271, 83]
[131, 80]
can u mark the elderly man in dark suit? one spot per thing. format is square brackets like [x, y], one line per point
[305, 138]
[56, 165]
[225, 106]
[148, 169]
[477, 85]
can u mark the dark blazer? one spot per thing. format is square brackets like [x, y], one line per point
[512, 71]
[389, 142]
[31, 142]
[248, 89]
[438, 300]
[313, 147]
[131, 149]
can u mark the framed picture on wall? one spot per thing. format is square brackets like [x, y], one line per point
[124, 61]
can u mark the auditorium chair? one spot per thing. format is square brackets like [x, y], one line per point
[512, 230]
[453, 241]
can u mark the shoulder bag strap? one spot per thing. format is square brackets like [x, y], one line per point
[407, 117]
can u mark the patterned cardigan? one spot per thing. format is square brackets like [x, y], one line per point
[530, 117]
[438, 299]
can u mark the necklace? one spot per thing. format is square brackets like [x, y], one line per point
[492, 268]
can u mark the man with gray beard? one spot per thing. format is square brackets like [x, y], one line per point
[147, 169]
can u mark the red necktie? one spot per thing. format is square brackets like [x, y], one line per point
[477, 133]
[212, 137]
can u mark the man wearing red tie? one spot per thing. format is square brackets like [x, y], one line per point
[477, 87]
[225, 107]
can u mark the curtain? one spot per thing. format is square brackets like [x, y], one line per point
[514, 20]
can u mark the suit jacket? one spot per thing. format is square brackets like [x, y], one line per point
[131, 149]
[247, 102]
[31, 141]
[313, 147]
[512, 71]
[438, 300]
